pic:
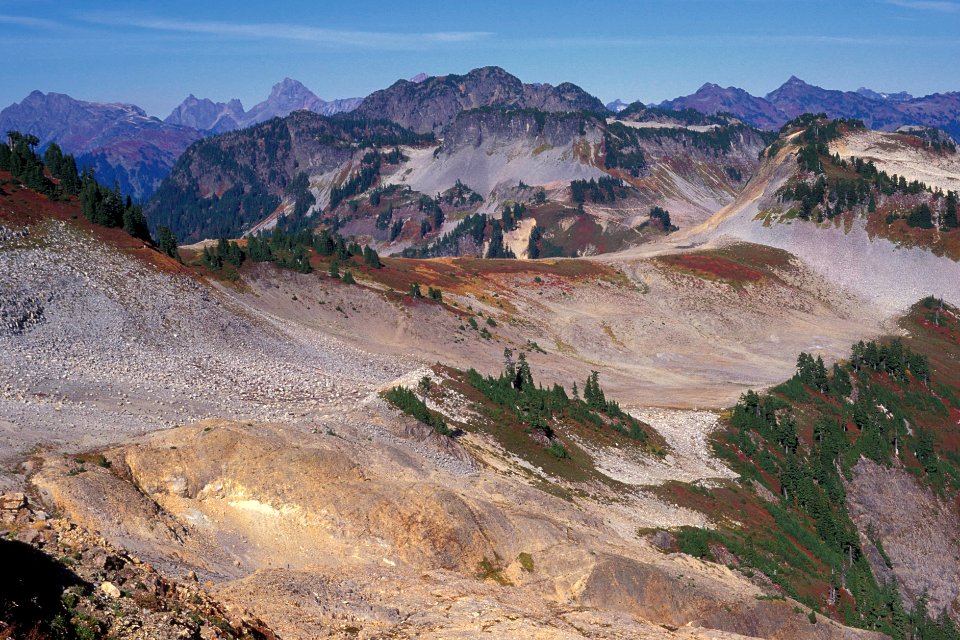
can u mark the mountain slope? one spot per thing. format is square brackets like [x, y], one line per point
[432, 103]
[120, 140]
[881, 254]
[320, 488]
[499, 155]
[224, 185]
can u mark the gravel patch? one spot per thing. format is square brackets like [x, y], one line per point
[690, 458]
[95, 346]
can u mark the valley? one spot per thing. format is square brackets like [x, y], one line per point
[476, 356]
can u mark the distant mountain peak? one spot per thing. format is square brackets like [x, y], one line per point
[291, 87]
[712, 98]
[617, 105]
[900, 96]
[286, 96]
[420, 77]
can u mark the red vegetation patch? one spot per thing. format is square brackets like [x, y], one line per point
[912, 141]
[940, 330]
[22, 207]
[713, 267]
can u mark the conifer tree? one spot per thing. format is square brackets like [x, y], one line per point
[371, 258]
[167, 242]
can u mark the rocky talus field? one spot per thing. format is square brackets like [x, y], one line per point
[269, 450]
[209, 458]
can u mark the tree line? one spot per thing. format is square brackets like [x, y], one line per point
[56, 176]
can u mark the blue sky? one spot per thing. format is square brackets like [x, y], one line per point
[154, 54]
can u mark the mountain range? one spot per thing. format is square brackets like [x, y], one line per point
[286, 97]
[332, 399]
[882, 111]
[127, 146]
[741, 520]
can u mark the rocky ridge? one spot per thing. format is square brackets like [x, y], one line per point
[433, 103]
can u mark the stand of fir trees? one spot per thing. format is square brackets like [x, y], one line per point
[292, 251]
[55, 175]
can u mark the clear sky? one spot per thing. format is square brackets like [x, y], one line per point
[154, 54]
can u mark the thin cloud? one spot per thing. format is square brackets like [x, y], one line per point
[26, 21]
[728, 40]
[928, 5]
[298, 33]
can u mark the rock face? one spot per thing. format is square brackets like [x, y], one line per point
[490, 127]
[494, 149]
[907, 521]
[389, 541]
[134, 599]
[120, 141]
[794, 97]
[489, 148]
[433, 103]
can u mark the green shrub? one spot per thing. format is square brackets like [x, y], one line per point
[694, 542]
[526, 561]
[557, 450]
[408, 402]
